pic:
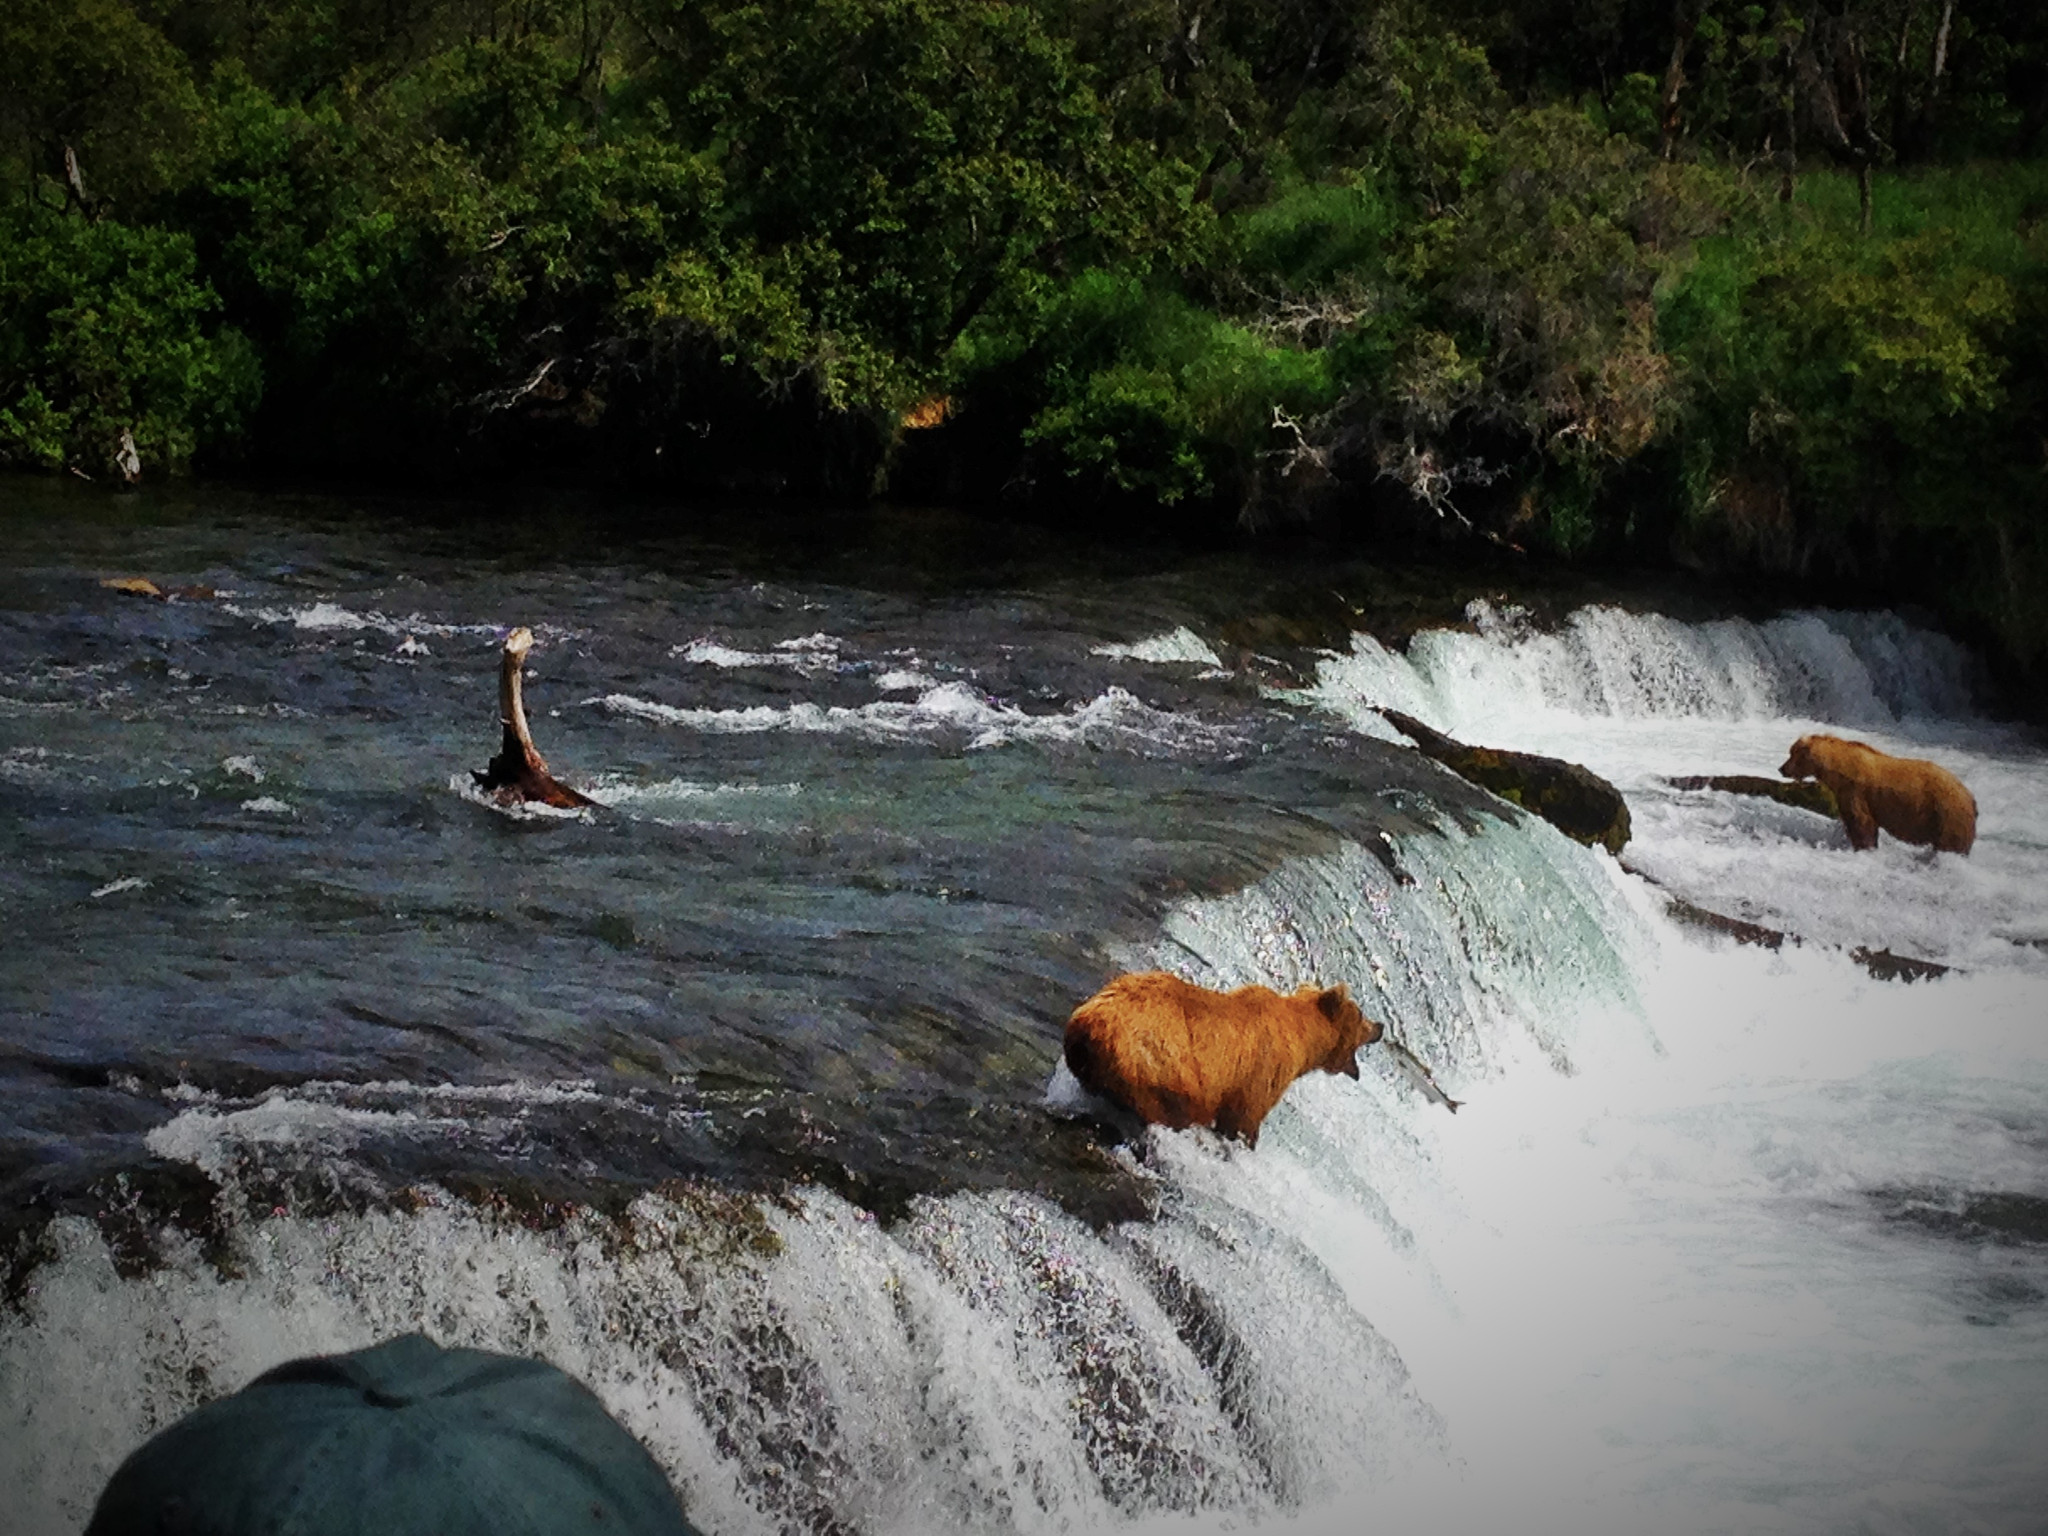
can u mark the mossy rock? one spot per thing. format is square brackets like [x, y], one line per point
[1572, 798]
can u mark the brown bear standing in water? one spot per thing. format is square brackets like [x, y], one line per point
[1914, 800]
[1180, 1055]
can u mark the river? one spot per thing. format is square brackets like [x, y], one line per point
[739, 1096]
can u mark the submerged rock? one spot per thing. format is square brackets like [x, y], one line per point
[1806, 794]
[1575, 800]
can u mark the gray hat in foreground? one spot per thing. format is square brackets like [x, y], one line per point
[403, 1439]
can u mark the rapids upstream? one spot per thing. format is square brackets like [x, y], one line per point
[739, 1096]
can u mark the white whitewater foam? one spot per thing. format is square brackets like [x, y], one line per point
[1842, 669]
[126, 883]
[322, 1119]
[1115, 717]
[1178, 645]
[327, 615]
[1651, 1292]
[210, 1139]
[242, 767]
[805, 654]
[269, 805]
[610, 791]
[466, 787]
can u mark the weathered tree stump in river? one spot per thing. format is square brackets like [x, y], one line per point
[1575, 800]
[519, 775]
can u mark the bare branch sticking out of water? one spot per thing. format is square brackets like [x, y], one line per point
[519, 775]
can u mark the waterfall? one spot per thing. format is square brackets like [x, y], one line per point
[1870, 670]
[1722, 1239]
[989, 1362]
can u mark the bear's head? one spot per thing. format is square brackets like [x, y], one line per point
[1353, 1029]
[1799, 764]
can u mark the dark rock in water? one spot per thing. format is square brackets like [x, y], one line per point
[1807, 795]
[1575, 800]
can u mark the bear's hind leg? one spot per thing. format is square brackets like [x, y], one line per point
[1238, 1116]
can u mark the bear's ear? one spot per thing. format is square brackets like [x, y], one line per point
[1332, 1000]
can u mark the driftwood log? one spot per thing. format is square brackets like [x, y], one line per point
[1881, 963]
[1805, 794]
[1575, 800]
[519, 775]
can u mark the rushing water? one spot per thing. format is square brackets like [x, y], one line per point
[739, 1097]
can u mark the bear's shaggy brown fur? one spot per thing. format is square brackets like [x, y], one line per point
[1180, 1055]
[1914, 800]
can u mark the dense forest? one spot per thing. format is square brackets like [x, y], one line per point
[1749, 286]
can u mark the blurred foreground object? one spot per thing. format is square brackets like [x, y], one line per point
[402, 1439]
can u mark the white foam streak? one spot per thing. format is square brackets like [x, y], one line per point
[807, 655]
[331, 617]
[1178, 645]
[465, 787]
[210, 1139]
[617, 793]
[1113, 717]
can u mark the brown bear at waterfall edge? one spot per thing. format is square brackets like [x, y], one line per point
[1179, 1055]
[1914, 800]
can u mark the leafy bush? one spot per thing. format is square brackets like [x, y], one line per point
[106, 328]
[1131, 388]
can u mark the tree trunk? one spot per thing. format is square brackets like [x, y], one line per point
[519, 775]
[1948, 15]
[1901, 120]
[1685, 23]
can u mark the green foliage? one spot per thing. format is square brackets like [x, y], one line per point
[1550, 270]
[1133, 389]
[99, 78]
[1447, 256]
[106, 328]
[1853, 360]
[1849, 388]
[889, 169]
